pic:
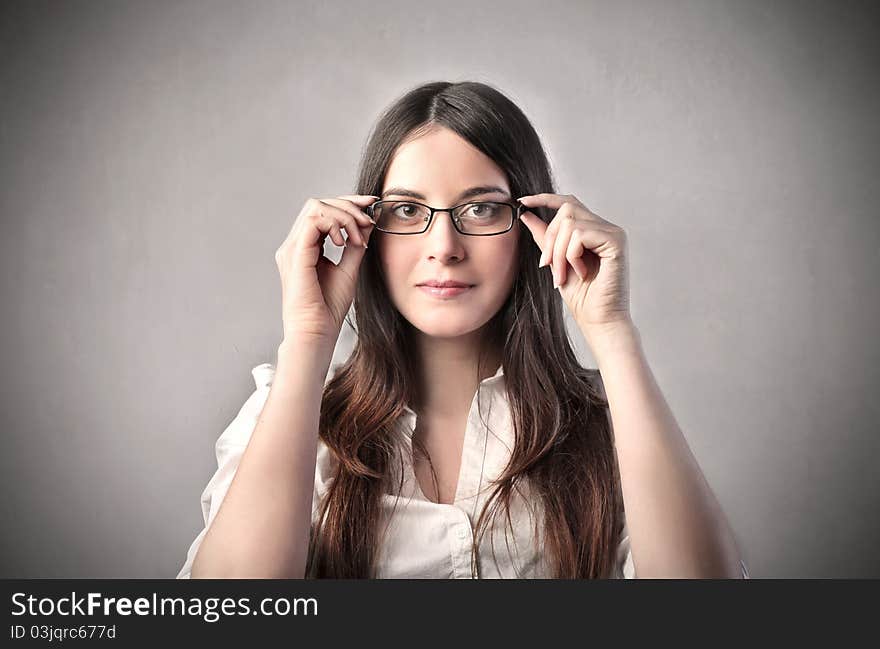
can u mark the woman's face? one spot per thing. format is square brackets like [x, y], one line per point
[441, 166]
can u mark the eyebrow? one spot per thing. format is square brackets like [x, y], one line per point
[468, 193]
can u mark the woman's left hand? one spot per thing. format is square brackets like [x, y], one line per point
[597, 292]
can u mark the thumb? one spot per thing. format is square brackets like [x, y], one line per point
[536, 226]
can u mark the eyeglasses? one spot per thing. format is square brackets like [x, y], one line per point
[479, 219]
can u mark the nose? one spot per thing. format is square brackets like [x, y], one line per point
[443, 241]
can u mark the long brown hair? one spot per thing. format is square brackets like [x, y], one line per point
[564, 449]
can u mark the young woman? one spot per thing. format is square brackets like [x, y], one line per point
[461, 438]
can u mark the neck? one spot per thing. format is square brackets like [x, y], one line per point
[449, 374]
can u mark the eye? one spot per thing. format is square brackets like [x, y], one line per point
[481, 210]
[401, 210]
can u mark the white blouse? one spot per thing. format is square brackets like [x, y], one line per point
[423, 539]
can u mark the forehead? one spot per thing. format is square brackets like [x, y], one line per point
[442, 163]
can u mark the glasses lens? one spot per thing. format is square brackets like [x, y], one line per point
[400, 217]
[482, 218]
[485, 218]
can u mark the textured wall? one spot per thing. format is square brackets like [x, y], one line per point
[154, 155]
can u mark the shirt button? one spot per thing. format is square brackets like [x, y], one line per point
[462, 532]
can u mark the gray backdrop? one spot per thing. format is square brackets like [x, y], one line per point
[154, 155]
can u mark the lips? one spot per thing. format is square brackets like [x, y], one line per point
[444, 292]
[445, 284]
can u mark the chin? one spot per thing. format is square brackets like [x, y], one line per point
[443, 329]
[448, 324]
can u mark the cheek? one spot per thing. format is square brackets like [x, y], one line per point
[513, 262]
[506, 257]
[397, 263]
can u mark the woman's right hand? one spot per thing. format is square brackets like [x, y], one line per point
[316, 293]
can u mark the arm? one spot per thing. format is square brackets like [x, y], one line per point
[677, 527]
[262, 528]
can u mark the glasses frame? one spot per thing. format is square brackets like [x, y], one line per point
[517, 208]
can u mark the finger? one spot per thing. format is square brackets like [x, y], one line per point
[345, 219]
[554, 201]
[547, 243]
[351, 218]
[336, 234]
[574, 254]
[309, 231]
[560, 245]
[360, 198]
[558, 200]
[351, 206]
[605, 243]
[351, 260]
[536, 226]
[352, 256]
[549, 254]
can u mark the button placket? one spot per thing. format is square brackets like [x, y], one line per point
[473, 449]
[463, 530]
